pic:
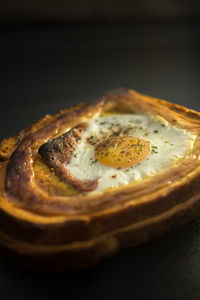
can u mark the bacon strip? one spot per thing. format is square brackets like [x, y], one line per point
[57, 153]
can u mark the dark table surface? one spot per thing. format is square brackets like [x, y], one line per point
[44, 69]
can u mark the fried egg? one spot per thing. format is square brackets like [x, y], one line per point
[120, 149]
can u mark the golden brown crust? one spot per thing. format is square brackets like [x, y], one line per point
[44, 218]
[57, 152]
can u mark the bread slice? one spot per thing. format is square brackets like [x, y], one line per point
[53, 222]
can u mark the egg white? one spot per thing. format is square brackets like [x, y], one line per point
[168, 144]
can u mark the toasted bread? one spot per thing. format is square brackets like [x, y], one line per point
[51, 222]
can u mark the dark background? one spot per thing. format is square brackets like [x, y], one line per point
[53, 55]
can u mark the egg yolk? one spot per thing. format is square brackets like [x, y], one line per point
[122, 152]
